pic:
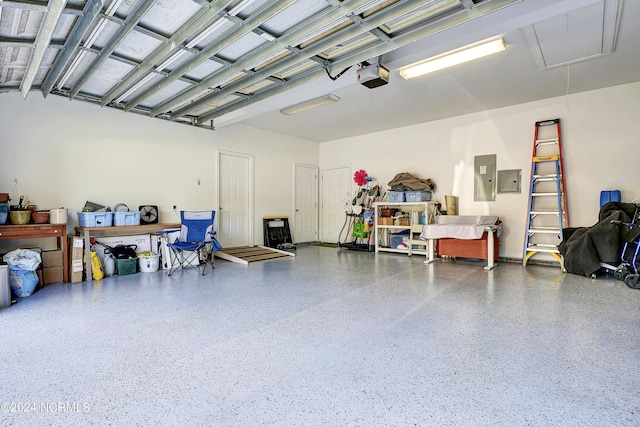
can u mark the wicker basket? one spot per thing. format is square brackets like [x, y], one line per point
[402, 221]
[20, 217]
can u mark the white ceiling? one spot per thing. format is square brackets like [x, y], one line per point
[503, 79]
[156, 57]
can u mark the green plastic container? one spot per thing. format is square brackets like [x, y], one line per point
[126, 266]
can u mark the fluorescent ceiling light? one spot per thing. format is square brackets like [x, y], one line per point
[268, 36]
[206, 33]
[134, 88]
[240, 7]
[308, 105]
[111, 10]
[454, 57]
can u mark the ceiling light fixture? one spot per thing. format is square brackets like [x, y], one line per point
[240, 7]
[454, 57]
[93, 36]
[206, 33]
[308, 105]
[134, 88]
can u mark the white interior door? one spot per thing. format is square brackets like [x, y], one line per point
[336, 184]
[305, 226]
[235, 199]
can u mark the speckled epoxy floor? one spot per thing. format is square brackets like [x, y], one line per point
[330, 338]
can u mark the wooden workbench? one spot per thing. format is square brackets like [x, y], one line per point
[40, 231]
[126, 230]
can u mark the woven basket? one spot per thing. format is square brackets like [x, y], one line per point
[20, 217]
[401, 221]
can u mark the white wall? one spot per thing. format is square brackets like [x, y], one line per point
[600, 131]
[66, 153]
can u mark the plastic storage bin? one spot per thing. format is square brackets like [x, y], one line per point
[610, 196]
[126, 266]
[95, 219]
[396, 196]
[126, 218]
[417, 196]
[396, 239]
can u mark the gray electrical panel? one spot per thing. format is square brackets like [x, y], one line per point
[509, 180]
[485, 178]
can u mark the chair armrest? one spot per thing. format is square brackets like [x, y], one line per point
[167, 231]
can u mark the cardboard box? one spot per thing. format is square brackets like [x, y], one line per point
[52, 258]
[51, 275]
[385, 221]
[142, 242]
[76, 252]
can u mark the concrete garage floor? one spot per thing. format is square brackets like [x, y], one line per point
[330, 338]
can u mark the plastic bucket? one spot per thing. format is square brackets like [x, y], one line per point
[58, 216]
[149, 264]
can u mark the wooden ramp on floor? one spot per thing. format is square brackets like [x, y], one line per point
[252, 254]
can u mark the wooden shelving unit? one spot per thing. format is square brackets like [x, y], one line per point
[415, 210]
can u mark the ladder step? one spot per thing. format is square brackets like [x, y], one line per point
[543, 230]
[548, 122]
[549, 176]
[544, 212]
[544, 194]
[547, 141]
[548, 250]
[539, 159]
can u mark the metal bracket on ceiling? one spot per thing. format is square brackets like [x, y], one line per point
[355, 18]
[467, 4]
[323, 62]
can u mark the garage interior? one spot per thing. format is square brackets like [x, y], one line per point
[144, 102]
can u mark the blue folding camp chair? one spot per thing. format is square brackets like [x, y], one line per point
[196, 242]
